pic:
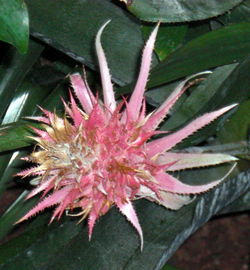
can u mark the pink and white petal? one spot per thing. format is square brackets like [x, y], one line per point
[43, 134]
[192, 160]
[166, 199]
[128, 211]
[91, 222]
[75, 112]
[81, 92]
[170, 184]
[48, 114]
[156, 118]
[108, 92]
[92, 97]
[39, 119]
[173, 201]
[164, 144]
[136, 99]
[31, 171]
[51, 200]
[68, 199]
[40, 188]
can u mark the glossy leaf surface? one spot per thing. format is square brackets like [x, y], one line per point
[169, 38]
[240, 13]
[14, 68]
[237, 128]
[234, 89]
[115, 242]
[180, 10]
[223, 46]
[14, 24]
[49, 19]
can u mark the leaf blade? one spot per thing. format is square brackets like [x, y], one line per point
[180, 10]
[14, 23]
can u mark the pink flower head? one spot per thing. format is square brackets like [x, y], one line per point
[99, 157]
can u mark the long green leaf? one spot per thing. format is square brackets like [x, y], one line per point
[179, 10]
[224, 46]
[193, 102]
[15, 212]
[114, 242]
[236, 129]
[79, 22]
[220, 47]
[13, 70]
[240, 13]
[235, 89]
[14, 23]
[239, 205]
[169, 37]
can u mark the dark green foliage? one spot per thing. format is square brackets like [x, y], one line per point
[61, 41]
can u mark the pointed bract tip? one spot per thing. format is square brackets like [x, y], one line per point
[99, 33]
[108, 92]
[232, 106]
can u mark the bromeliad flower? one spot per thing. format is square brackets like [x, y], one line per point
[99, 157]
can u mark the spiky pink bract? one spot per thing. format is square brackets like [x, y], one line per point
[99, 157]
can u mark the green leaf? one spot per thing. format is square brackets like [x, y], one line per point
[240, 13]
[179, 10]
[115, 243]
[169, 37]
[43, 251]
[198, 97]
[15, 212]
[169, 267]
[14, 24]
[13, 70]
[235, 89]
[24, 101]
[239, 205]
[224, 46]
[237, 128]
[20, 243]
[79, 23]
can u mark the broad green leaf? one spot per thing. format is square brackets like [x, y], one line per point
[197, 29]
[79, 23]
[235, 89]
[221, 47]
[115, 243]
[15, 212]
[240, 13]
[156, 96]
[16, 135]
[193, 100]
[198, 97]
[20, 243]
[226, 85]
[44, 250]
[11, 163]
[14, 24]
[179, 10]
[224, 46]
[169, 37]
[239, 205]
[170, 267]
[237, 128]
[23, 103]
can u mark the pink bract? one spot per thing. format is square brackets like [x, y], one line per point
[98, 156]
